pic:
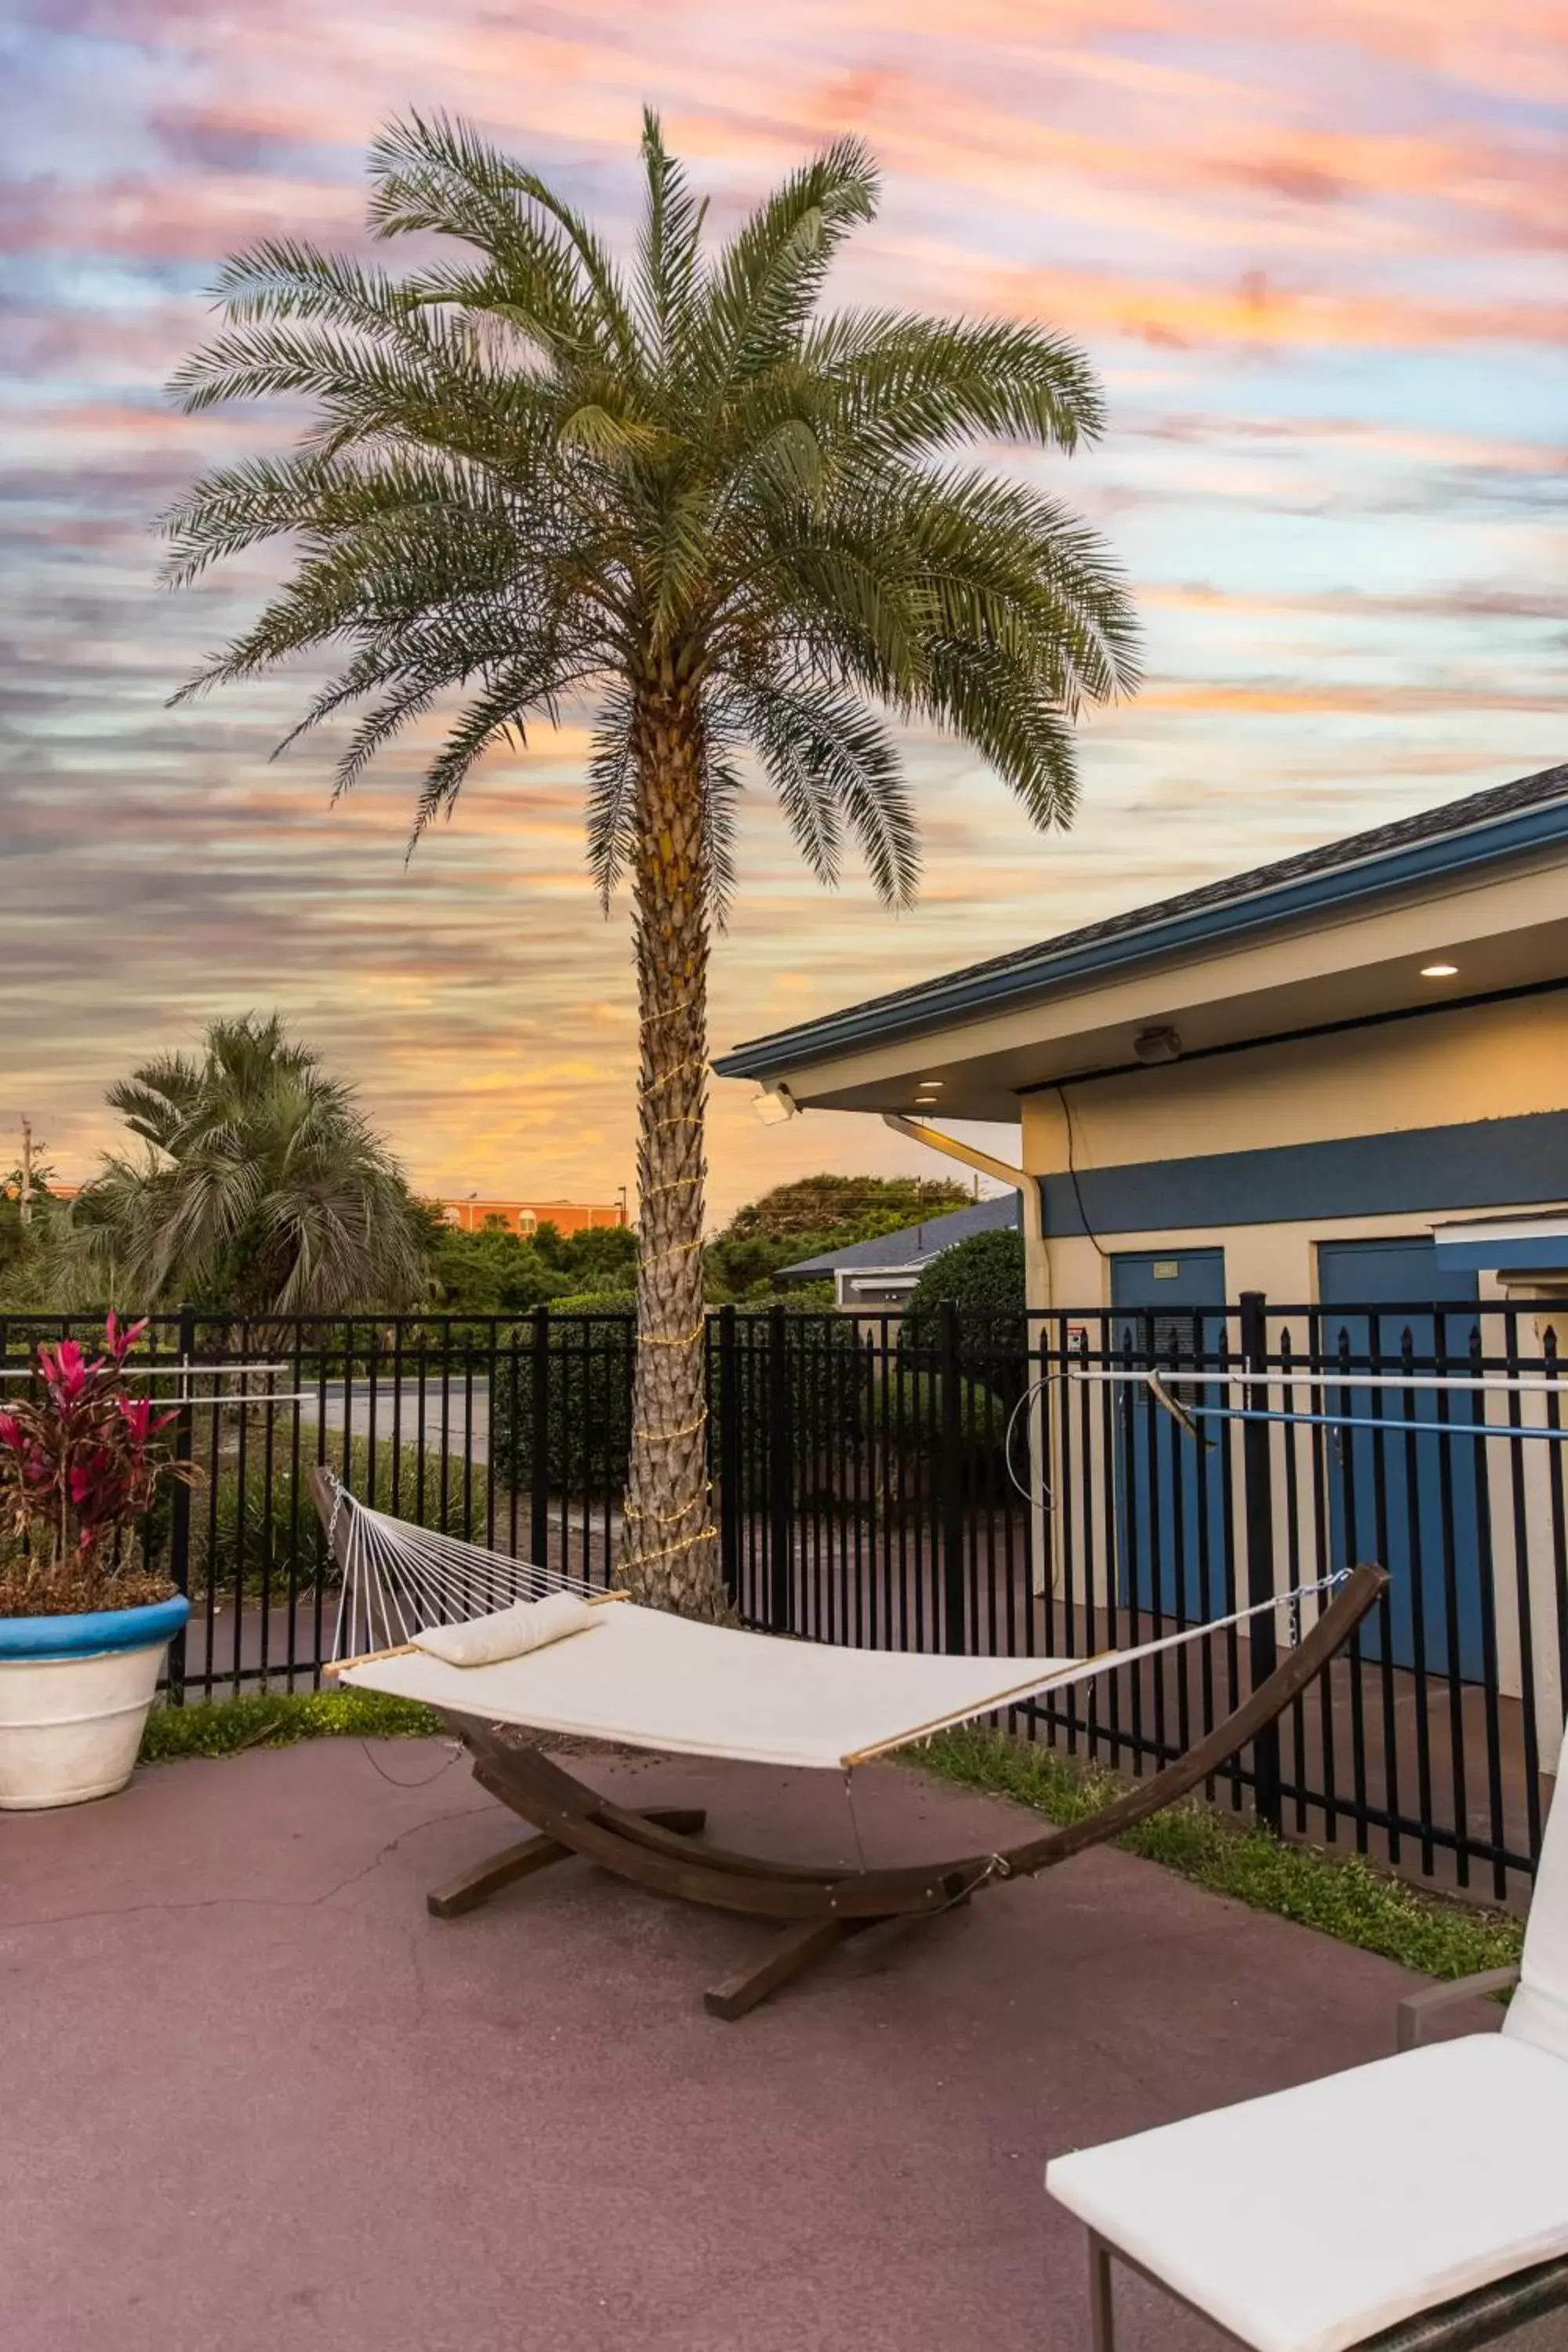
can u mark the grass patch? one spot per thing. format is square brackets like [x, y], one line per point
[279, 1718]
[1340, 1894]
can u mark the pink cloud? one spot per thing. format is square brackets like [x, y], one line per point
[1220, 183]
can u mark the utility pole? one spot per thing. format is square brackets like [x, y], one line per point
[27, 1192]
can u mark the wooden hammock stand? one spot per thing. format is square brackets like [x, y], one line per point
[818, 1906]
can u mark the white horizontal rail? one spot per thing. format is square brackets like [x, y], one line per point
[175, 1370]
[1514, 1383]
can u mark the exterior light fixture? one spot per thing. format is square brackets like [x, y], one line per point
[1157, 1044]
[1439, 971]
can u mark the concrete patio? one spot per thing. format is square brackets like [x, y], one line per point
[255, 2097]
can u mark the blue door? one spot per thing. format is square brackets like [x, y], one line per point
[1169, 1313]
[1410, 1502]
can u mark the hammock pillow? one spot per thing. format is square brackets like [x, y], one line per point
[509, 1633]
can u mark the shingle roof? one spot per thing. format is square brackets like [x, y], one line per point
[913, 1244]
[1479, 814]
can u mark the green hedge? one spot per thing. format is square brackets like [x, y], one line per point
[983, 1279]
[857, 1423]
[589, 1411]
[588, 1419]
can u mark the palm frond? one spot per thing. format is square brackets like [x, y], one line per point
[832, 761]
[430, 172]
[767, 281]
[612, 795]
[523, 478]
[532, 681]
[669, 245]
[897, 383]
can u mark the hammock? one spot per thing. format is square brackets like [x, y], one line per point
[640, 1678]
[650, 1680]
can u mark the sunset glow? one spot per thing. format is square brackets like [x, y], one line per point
[1316, 253]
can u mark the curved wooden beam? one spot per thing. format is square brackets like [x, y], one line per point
[639, 1848]
[822, 1902]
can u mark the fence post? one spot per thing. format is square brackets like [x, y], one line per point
[951, 1478]
[729, 1404]
[781, 1474]
[1257, 1481]
[539, 1446]
[180, 1515]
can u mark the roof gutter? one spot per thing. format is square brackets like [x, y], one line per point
[1036, 1260]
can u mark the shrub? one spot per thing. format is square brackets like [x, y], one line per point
[493, 1274]
[984, 1279]
[81, 1465]
[588, 1417]
[266, 1534]
[593, 1357]
[823, 1397]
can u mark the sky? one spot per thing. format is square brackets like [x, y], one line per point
[1317, 250]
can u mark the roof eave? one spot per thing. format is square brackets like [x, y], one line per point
[1348, 885]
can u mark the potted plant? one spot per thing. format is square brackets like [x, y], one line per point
[84, 1622]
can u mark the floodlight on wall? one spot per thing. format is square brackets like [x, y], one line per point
[1439, 971]
[773, 1104]
[1159, 1045]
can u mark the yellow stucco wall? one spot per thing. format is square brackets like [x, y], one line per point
[1490, 1061]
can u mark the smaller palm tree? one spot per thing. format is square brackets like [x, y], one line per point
[262, 1187]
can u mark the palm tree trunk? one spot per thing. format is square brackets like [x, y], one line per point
[669, 1557]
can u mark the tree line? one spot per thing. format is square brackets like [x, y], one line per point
[254, 1183]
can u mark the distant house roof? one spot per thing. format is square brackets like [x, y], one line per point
[914, 1245]
[1463, 833]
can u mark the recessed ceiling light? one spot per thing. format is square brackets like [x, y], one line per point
[1439, 971]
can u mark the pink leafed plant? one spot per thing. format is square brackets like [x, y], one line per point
[80, 1465]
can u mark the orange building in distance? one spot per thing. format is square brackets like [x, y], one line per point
[525, 1217]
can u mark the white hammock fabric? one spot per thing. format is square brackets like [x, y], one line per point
[645, 1679]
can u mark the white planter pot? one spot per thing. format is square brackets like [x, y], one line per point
[74, 1695]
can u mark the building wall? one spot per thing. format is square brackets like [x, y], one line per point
[527, 1216]
[1478, 1097]
[1489, 1061]
[1280, 1260]
[1376, 1131]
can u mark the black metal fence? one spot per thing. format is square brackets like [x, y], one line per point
[1007, 1484]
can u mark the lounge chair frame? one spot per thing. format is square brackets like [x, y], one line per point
[817, 1907]
[1482, 2316]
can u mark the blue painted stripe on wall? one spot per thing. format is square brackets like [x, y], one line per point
[1480, 1257]
[1489, 1164]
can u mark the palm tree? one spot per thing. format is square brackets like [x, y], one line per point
[262, 1187]
[724, 520]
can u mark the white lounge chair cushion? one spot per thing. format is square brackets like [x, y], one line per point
[1539, 2010]
[511, 1632]
[1307, 2220]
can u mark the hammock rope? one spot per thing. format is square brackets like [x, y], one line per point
[399, 1578]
